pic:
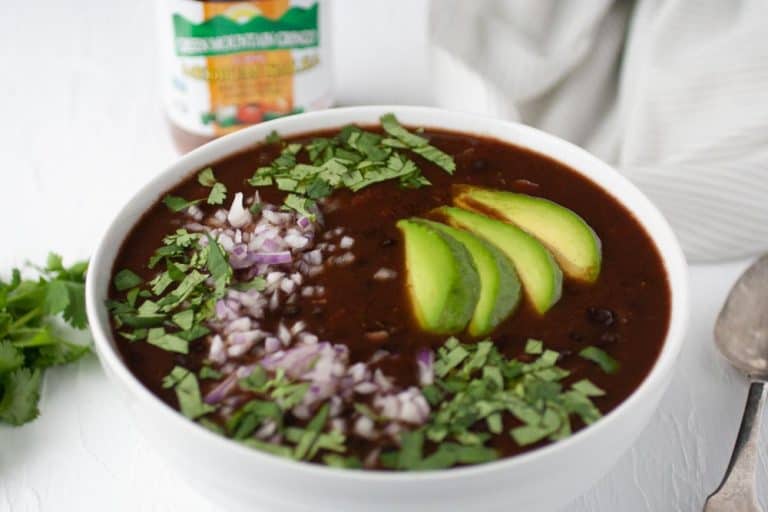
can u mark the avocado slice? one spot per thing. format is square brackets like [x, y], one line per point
[499, 284]
[541, 277]
[443, 283]
[572, 241]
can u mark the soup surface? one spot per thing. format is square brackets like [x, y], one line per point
[293, 330]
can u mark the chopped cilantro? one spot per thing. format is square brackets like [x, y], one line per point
[273, 138]
[218, 194]
[599, 356]
[187, 392]
[206, 177]
[588, 388]
[218, 265]
[126, 279]
[534, 347]
[159, 338]
[309, 436]
[177, 204]
[184, 319]
[206, 372]
[354, 159]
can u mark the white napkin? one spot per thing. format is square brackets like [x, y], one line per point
[673, 93]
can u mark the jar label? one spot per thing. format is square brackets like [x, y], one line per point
[233, 64]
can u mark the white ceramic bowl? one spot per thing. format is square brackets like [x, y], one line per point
[237, 477]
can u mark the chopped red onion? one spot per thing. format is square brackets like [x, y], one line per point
[364, 427]
[238, 215]
[314, 257]
[272, 258]
[216, 352]
[272, 344]
[241, 324]
[218, 393]
[346, 242]
[426, 360]
[384, 274]
[304, 222]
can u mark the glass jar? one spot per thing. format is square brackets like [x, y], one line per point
[228, 65]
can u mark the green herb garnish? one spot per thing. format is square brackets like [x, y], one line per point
[354, 159]
[30, 341]
[599, 356]
[187, 390]
[177, 204]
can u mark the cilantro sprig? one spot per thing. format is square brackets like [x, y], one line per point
[30, 339]
[353, 159]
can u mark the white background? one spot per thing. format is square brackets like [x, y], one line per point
[81, 130]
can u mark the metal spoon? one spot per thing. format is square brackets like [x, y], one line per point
[741, 334]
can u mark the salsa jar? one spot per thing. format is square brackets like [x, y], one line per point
[227, 65]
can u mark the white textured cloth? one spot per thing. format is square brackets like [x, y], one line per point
[673, 93]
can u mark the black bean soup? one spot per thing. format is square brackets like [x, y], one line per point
[289, 326]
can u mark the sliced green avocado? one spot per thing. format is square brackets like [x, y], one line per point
[572, 241]
[499, 284]
[443, 283]
[541, 277]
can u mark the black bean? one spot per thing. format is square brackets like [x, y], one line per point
[388, 242]
[575, 336]
[318, 311]
[197, 346]
[479, 164]
[601, 316]
[180, 359]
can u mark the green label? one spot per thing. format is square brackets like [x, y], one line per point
[221, 35]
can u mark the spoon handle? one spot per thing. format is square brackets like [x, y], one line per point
[737, 490]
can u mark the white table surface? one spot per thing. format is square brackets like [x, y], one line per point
[81, 131]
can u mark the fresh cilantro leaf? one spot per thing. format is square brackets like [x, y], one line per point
[159, 338]
[75, 313]
[437, 157]
[206, 177]
[206, 372]
[607, 363]
[54, 263]
[273, 138]
[300, 204]
[193, 333]
[218, 265]
[258, 284]
[187, 392]
[20, 396]
[10, 357]
[59, 353]
[184, 319]
[392, 126]
[311, 433]
[177, 204]
[534, 347]
[411, 446]
[255, 381]
[218, 194]
[588, 388]
[261, 179]
[126, 279]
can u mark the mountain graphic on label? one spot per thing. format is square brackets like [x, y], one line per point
[243, 27]
[242, 13]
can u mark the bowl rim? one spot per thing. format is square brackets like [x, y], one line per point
[656, 226]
